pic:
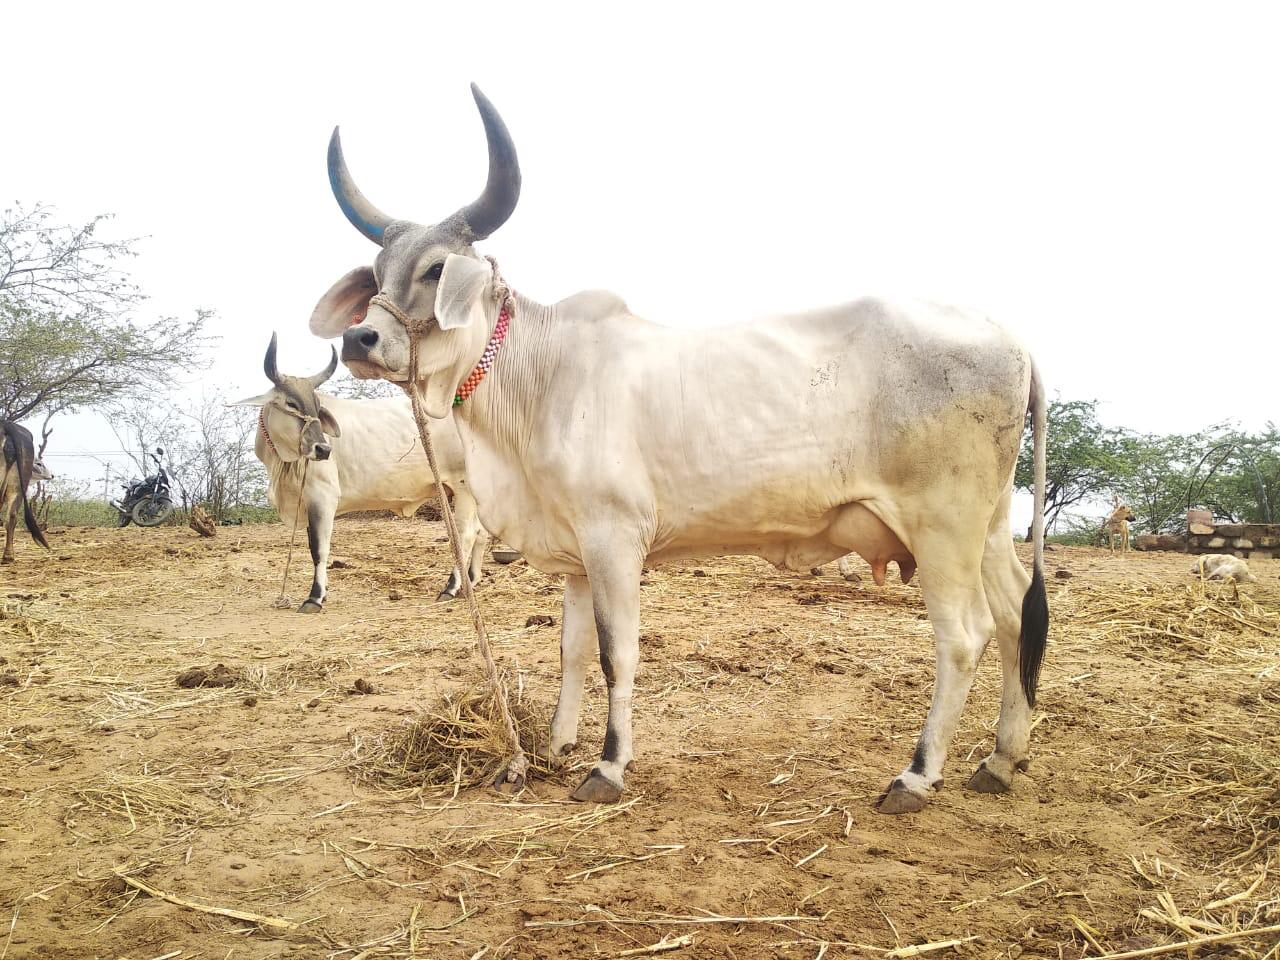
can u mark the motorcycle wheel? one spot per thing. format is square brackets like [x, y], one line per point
[149, 512]
[125, 518]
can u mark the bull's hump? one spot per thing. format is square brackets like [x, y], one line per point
[592, 305]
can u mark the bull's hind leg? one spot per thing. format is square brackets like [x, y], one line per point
[11, 521]
[952, 585]
[1006, 583]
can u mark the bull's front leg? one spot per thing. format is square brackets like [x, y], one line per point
[615, 599]
[319, 533]
[471, 535]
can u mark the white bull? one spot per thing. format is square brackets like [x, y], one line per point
[357, 455]
[599, 443]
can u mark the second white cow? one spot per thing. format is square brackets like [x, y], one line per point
[356, 455]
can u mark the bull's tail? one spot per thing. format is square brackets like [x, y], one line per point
[24, 455]
[1035, 605]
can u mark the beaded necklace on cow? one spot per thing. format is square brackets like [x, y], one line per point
[513, 772]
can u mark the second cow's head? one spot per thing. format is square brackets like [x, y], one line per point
[293, 417]
[431, 273]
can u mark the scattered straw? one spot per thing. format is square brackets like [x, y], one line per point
[459, 743]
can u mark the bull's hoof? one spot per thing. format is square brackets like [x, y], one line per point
[504, 783]
[443, 596]
[898, 799]
[597, 788]
[984, 781]
[565, 749]
[6, 559]
[311, 606]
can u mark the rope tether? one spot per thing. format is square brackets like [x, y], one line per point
[514, 771]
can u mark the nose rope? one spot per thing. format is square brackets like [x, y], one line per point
[514, 770]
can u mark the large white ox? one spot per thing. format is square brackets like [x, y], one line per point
[358, 455]
[599, 443]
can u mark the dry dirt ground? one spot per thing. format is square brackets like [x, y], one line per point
[143, 819]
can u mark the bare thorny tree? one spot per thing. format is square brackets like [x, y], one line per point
[69, 328]
[208, 448]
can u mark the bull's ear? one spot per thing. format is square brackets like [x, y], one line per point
[259, 401]
[329, 424]
[460, 294]
[346, 302]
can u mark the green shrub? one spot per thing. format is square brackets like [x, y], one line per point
[75, 512]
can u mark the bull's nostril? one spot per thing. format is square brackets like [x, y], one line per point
[367, 338]
[322, 451]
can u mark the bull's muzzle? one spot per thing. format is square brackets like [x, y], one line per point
[322, 451]
[357, 342]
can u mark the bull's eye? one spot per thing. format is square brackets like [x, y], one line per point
[294, 406]
[432, 274]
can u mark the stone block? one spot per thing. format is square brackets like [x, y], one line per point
[1160, 541]
[1230, 530]
[1213, 542]
[1242, 543]
[1202, 517]
[1203, 529]
[1261, 555]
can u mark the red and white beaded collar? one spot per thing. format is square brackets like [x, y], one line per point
[490, 353]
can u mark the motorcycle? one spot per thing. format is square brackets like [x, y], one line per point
[147, 502]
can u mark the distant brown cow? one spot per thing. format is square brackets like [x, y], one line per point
[21, 466]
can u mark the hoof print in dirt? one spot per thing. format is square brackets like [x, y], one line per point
[984, 781]
[540, 620]
[363, 686]
[395, 595]
[898, 799]
[1063, 574]
[810, 599]
[597, 788]
[219, 676]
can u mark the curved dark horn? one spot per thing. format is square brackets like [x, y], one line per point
[327, 372]
[364, 216]
[502, 191]
[269, 364]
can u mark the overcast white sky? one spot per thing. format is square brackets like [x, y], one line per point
[1102, 179]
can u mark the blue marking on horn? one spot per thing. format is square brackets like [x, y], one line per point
[335, 164]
